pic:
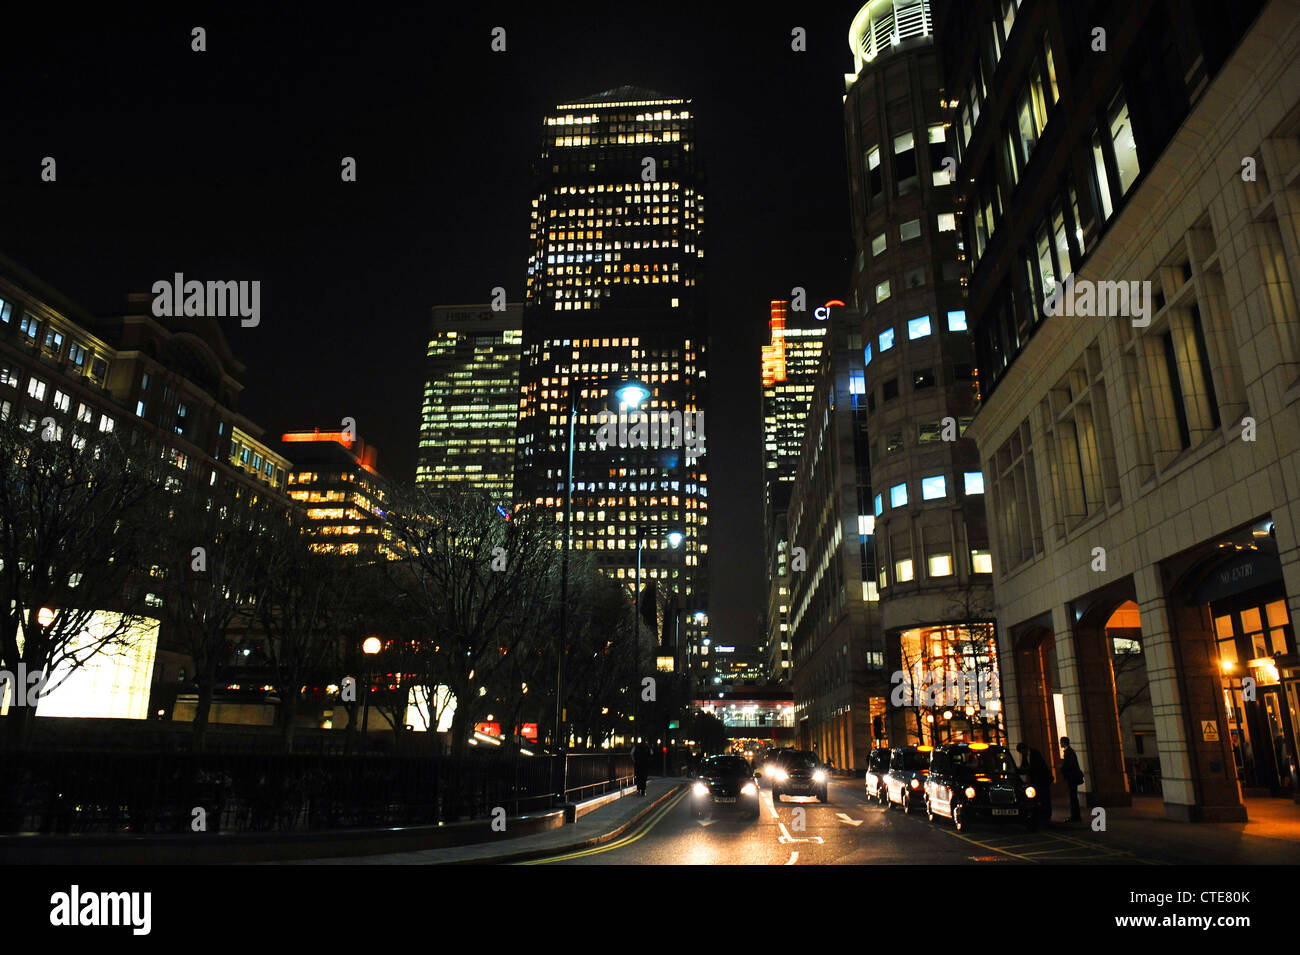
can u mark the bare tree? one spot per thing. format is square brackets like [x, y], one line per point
[302, 592]
[468, 577]
[209, 569]
[75, 525]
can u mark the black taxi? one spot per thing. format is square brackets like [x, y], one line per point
[877, 766]
[905, 780]
[977, 780]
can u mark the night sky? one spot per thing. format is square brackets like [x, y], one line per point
[225, 165]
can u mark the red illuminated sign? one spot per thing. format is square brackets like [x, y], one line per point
[488, 729]
[529, 732]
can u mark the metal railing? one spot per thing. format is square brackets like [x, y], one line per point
[84, 792]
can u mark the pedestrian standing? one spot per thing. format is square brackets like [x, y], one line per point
[1073, 777]
[641, 756]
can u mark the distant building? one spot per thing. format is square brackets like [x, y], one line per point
[790, 362]
[335, 479]
[614, 299]
[837, 651]
[471, 400]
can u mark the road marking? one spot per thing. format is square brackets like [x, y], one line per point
[794, 857]
[771, 808]
[706, 822]
[844, 817]
[786, 837]
[627, 840]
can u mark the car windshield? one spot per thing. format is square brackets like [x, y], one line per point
[989, 762]
[801, 761]
[916, 761]
[725, 766]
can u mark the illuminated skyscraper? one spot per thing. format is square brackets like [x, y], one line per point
[789, 365]
[613, 298]
[471, 399]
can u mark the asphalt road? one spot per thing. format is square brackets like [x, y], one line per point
[845, 830]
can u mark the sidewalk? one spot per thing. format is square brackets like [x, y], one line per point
[601, 825]
[1271, 836]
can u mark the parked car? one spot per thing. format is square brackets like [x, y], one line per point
[977, 780]
[799, 773]
[905, 778]
[725, 783]
[877, 766]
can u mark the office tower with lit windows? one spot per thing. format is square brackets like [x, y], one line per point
[1130, 217]
[837, 678]
[342, 494]
[471, 400]
[926, 520]
[790, 362]
[613, 299]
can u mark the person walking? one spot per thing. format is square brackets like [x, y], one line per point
[1073, 777]
[641, 758]
[1039, 775]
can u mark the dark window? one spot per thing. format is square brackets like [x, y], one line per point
[889, 389]
[894, 443]
[961, 371]
[1203, 359]
[1176, 391]
[923, 379]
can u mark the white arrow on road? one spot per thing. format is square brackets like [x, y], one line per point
[786, 837]
[844, 817]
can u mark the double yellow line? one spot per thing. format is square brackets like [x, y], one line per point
[644, 827]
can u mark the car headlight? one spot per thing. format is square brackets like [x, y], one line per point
[749, 789]
[819, 776]
[916, 784]
[701, 789]
[779, 774]
[970, 792]
[1031, 792]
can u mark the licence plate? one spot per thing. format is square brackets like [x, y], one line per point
[725, 799]
[1006, 812]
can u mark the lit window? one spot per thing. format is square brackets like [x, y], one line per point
[981, 562]
[139, 409]
[974, 481]
[941, 565]
[898, 495]
[886, 339]
[879, 507]
[36, 388]
[866, 355]
[878, 244]
[947, 222]
[918, 327]
[882, 291]
[1103, 183]
[911, 229]
[957, 321]
[1121, 137]
[903, 570]
[933, 488]
[866, 525]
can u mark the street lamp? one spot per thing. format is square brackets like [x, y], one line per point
[370, 647]
[564, 595]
